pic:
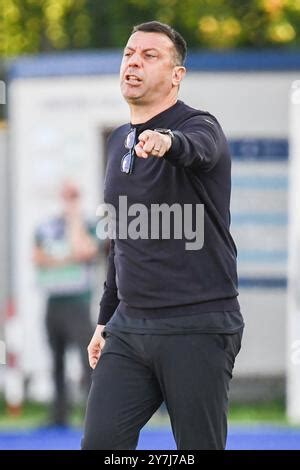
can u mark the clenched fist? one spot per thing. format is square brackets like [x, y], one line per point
[152, 143]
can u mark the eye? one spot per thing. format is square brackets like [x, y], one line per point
[150, 55]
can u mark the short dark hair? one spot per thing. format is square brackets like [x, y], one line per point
[176, 38]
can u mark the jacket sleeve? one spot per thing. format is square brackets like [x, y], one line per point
[109, 301]
[197, 144]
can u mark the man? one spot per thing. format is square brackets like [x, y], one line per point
[169, 325]
[65, 248]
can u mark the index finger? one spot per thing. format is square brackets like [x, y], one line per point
[144, 136]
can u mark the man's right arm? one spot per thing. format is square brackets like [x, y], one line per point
[109, 301]
[108, 305]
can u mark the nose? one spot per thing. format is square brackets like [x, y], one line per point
[134, 60]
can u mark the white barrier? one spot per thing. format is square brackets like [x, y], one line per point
[293, 308]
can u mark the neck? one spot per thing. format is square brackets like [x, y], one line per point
[140, 113]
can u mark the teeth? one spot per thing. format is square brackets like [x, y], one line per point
[132, 78]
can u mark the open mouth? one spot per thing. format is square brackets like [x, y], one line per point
[132, 79]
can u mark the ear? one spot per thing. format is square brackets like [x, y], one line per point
[178, 74]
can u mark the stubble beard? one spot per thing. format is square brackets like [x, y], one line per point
[131, 99]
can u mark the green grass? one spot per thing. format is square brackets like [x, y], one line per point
[254, 413]
[269, 412]
[35, 414]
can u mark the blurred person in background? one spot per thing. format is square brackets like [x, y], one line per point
[170, 325]
[64, 253]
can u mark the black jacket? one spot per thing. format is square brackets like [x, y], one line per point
[158, 273]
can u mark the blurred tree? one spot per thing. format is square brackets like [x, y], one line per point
[29, 26]
[33, 25]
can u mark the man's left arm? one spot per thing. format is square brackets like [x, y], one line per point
[198, 144]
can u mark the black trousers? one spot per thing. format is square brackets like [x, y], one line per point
[68, 324]
[136, 373]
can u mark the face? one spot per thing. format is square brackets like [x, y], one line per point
[69, 193]
[148, 72]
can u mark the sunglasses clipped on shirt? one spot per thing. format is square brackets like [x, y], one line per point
[127, 161]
